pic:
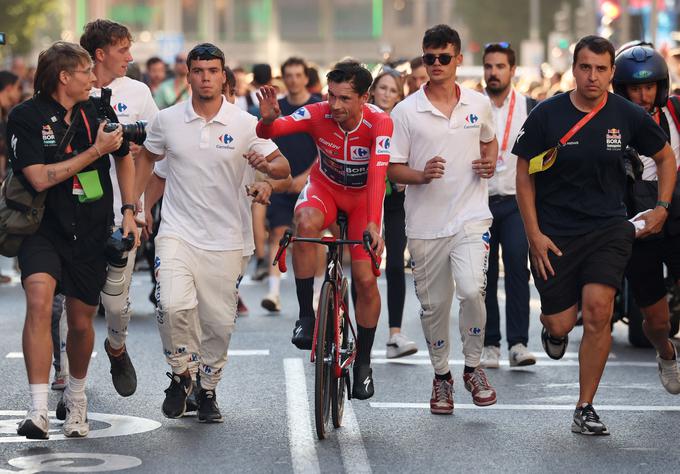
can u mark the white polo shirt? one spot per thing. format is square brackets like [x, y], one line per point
[649, 171]
[421, 132]
[132, 101]
[160, 169]
[205, 173]
[503, 181]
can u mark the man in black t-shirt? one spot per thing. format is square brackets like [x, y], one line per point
[301, 150]
[66, 254]
[573, 211]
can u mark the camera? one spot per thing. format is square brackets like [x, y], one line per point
[117, 249]
[132, 132]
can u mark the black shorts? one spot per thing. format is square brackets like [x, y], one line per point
[81, 277]
[645, 269]
[281, 210]
[600, 256]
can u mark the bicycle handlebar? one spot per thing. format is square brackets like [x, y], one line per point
[287, 239]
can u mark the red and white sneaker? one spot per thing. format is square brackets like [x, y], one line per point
[483, 394]
[441, 401]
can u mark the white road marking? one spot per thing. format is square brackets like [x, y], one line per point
[20, 355]
[66, 462]
[464, 406]
[545, 363]
[248, 352]
[119, 425]
[352, 449]
[423, 353]
[302, 448]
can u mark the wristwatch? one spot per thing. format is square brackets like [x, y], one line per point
[664, 204]
[127, 206]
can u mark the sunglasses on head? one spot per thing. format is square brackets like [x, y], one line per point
[500, 44]
[444, 58]
[206, 51]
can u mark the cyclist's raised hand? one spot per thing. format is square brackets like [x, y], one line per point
[269, 104]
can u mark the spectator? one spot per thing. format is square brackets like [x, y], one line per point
[155, 73]
[175, 89]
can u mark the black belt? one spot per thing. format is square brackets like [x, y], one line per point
[496, 198]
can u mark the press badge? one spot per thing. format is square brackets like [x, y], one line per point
[77, 189]
[90, 186]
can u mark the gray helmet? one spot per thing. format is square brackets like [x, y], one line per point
[639, 63]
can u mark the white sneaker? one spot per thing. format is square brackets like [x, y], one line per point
[35, 425]
[75, 425]
[519, 356]
[669, 373]
[60, 380]
[272, 303]
[399, 345]
[491, 356]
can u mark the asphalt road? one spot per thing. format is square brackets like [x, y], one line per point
[266, 397]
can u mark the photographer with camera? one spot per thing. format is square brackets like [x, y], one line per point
[57, 145]
[108, 44]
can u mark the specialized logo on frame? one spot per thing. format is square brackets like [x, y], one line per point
[613, 139]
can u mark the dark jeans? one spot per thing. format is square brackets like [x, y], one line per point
[507, 231]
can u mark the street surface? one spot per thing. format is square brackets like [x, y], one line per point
[266, 397]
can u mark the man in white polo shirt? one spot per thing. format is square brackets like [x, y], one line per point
[109, 44]
[510, 110]
[208, 143]
[444, 148]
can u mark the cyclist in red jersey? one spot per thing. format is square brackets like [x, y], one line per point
[353, 139]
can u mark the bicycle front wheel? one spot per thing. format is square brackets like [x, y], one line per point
[338, 386]
[324, 359]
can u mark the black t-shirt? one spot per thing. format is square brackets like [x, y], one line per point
[34, 132]
[584, 188]
[299, 148]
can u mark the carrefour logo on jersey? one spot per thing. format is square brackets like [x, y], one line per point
[301, 114]
[471, 121]
[360, 153]
[382, 145]
[225, 141]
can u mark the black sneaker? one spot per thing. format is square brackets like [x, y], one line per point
[123, 372]
[587, 422]
[208, 411]
[192, 400]
[362, 385]
[555, 347]
[61, 408]
[175, 403]
[303, 333]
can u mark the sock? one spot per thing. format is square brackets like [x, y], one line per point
[446, 376]
[39, 393]
[76, 387]
[305, 293]
[365, 338]
[468, 370]
[274, 284]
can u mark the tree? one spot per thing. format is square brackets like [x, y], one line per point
[22, 20]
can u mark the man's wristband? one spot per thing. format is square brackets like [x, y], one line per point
[125, 207]
[664, 204]
[96, 150]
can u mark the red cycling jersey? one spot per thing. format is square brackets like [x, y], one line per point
[354, 160]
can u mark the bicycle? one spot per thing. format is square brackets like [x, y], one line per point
[333, 348]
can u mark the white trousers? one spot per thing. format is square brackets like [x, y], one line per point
[117, 308]
[444, 267]
[196, 285]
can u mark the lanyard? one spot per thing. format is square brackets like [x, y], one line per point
[69, 149]
[581, 123]
[657, 116]
[508, 123]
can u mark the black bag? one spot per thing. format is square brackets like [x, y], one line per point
[21, 207]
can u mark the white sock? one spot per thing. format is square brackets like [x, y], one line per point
[39, 393]
[76, 387]
[274, 284]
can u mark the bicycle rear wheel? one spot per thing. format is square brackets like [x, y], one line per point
[324, 359]
[339, 386]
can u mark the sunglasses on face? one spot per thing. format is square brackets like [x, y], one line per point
[444, 58]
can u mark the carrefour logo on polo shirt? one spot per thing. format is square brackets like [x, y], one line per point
[120, 109]
[471, 121]
[301, 114]
[382, 145]
[360, 153]
[225, 141]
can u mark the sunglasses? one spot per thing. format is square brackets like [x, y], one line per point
[206, 51]
[444, 58]
[501, 44]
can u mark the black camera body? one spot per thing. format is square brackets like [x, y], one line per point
[117, 249]
[132, 132]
